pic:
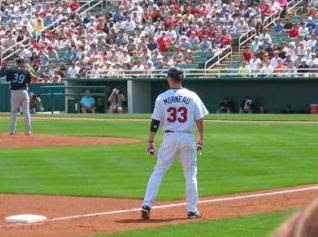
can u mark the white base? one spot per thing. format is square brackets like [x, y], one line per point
[25, 218]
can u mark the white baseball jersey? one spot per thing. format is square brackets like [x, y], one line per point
[178, 110]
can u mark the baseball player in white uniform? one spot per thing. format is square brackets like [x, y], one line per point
[178, 112]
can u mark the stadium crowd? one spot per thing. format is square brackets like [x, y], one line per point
[295, 54]
[138, 36]
[26, 19]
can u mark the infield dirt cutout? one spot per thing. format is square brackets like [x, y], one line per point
[47, 141]
[80, 216]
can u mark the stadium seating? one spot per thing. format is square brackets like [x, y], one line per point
[286, 45]
[133, 35]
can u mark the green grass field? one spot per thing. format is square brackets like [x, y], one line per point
[255, 225]
[238, 157]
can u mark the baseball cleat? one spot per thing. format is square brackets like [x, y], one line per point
[145, 212]
[28, 133]
[12, 133]
[194, 215]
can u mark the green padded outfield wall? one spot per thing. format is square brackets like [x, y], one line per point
[274, 93]
[49, 102]
[4, 98]
[52, 96]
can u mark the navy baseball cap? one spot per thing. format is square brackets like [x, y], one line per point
[175, 74]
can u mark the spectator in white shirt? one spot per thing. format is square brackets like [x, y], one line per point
[265, 36]
[256, 44]
[255, 63]
[275, 59]
[303, 30]
[291, 69]
[73, 71]
[275, 6]
[125, 57]
[311, 43]
[315, 61]
[150, 28]
[172, 34]
[206, 45]
[138, 66]
[266, 69]
[130, 25]
[242, 26]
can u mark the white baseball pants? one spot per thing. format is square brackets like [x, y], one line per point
[20, 99]
[183, 145]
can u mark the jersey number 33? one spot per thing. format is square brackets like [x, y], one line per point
[177, 114]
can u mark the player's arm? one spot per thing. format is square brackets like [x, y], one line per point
[200, 126]
[154, 126]
[200, 112]
[32, 74]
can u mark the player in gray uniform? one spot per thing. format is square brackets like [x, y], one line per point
[19, 79]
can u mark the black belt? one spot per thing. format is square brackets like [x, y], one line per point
[170, 131]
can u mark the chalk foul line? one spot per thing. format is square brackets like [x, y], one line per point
[214, 200]
[180, 204]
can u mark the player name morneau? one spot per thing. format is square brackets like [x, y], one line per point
[177, 99]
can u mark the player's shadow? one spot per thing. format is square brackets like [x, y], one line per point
[132, 221]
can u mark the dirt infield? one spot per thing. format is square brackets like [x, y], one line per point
[46, 141]
[78, 216]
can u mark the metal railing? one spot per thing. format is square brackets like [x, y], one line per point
[227, 51]
[293, 4]
[270, 20]
[244, 38]
[92, 6]
[207, 73]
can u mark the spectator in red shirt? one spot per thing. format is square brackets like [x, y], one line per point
[74, 5]
[164, 42]
[225, 39]
[204, 11]
[195, 11]
[293, 33]
[154, 14]
[265, 9]
[176, 8]
[247, 55]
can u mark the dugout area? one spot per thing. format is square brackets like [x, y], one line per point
[273, 93]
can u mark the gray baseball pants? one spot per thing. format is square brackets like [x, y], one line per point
[20, 99]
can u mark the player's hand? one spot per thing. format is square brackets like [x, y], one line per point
[199, 144]
[151, 149]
